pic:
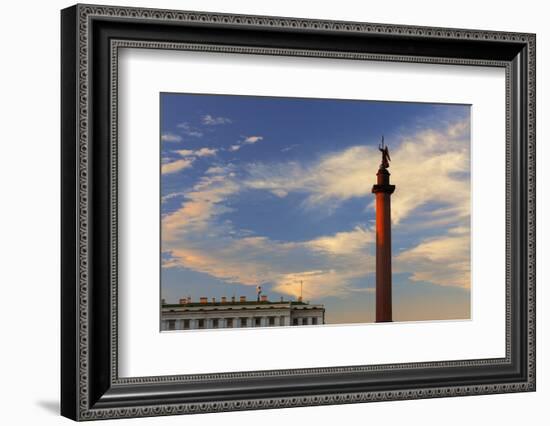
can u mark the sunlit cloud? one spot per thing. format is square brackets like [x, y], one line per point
[176, 166]
[202, 204]
[171, 137]
[184, 152]
[216, 170]
[256, 260]
[344, 243]
[248, 140]
[443, 260]
[194, 238]
[201, 152]
[318, 283]
[252, 139]
[206, 152]
[172, 195]
[430, 168]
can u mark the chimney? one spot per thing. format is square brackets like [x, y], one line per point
[232, 299]
[213, 300]
[203, 300]
[163, 301]
[242, 299]
[263, 298]
[224, 299]
[183, 301]
[299, 298]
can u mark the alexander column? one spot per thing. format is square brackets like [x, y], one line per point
[383, 191]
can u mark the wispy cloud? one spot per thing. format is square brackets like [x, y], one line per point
[185, 152]
[189, 130]
[443, 260]
[252, 139]
[321, 282]
[344, 243]
[194, 238]
[171, 137]
[176, 166]
[203, 203]
[429, 167]
[172, 195]
[215, 170]
[247, 140]
[201, 152]
[290, 147]
[254, 260]
[210, 120]
[206, 152]
[281, 193]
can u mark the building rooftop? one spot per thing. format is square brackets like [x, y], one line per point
[230, 303]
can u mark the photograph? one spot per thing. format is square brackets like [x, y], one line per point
[282, 211]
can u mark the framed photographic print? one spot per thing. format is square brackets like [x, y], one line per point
[263, 212]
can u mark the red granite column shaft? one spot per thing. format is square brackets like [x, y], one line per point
[383, 191]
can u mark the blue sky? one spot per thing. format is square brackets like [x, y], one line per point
[274, 191]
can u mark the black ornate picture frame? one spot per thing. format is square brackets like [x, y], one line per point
[91, 387]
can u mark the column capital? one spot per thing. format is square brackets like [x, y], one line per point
[383, 182]
[388, 189]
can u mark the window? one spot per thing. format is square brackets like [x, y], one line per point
[314, 320]
[295, 321]
[201, 323]
[229, 322]
[171, 324]
[257, 322]
[271, 321]
[243, 322]
[215, 323]
[186, 324]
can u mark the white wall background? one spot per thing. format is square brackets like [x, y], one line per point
[29, 214]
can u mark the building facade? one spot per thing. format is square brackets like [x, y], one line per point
[232, 313]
